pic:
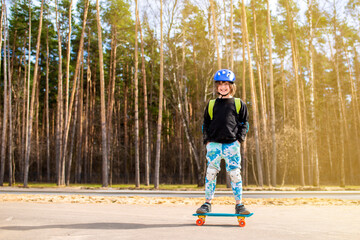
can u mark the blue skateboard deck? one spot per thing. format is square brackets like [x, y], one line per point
[201, 217]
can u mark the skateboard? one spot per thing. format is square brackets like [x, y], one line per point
[201, 217]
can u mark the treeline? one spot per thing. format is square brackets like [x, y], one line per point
[115, 91]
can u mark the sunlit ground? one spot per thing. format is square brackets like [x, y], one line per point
[189, 187]
[81, 199]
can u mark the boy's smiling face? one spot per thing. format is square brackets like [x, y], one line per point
[223, 88]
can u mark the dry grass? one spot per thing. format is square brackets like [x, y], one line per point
[82, 199]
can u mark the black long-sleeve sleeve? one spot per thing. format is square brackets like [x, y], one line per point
[243, 126]
[206, 124]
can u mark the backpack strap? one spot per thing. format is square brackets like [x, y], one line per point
[211, 108]
[237, 105]
[212, 103]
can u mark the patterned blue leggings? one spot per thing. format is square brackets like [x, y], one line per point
[230, 152]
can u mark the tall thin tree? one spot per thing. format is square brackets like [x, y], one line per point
[32, 105]
[272, 99]
[47, 106]
[74, 89]
[146, 118]
[5, 116]
[87, 114]
[253, 99]
[341, 104]
[111, 99]
[136, 80]
[105, 171]
[262, 96]
[9, 72]
[67, 76]
[314, 151]
[244, 162]
[68, 50]
[216, 34]
[59, 110]
[297, 86]
[161, 92]
[225, 30]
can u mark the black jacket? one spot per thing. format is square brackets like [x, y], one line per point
[226, 126]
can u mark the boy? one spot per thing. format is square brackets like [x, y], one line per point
[223, 132]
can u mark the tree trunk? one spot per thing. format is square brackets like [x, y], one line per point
[92, 121]
[357, 108]
[47, 108]
[161, 90]
[5, 116]
[225, 30]
[1, 27]
[126, 134]
[110, 101]
[146, 120]
[87, 116]
[68, 68]
[29, 129]
[216, 35]
[253, 99]
[244, 156]
[314, 151]
[59, 115]
[105, 171]
[180, 152]
[306, 131]
[137, 164]
[79, 159]
[18, 129]
[24, 116]
[38, 162]
[355, 112]
[357, 78]
[68, 174]
[262, 98]
[272, 100]
[296, 72]
[283, 81]
[72, 98]
[340, 100]
[9, 72]
[63, 159]
[328, 141]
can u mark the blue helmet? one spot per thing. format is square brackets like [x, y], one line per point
[224, 75]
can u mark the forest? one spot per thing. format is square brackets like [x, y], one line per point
[114, 91]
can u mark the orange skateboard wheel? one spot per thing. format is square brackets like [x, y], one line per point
[242, 223]
[200, 222]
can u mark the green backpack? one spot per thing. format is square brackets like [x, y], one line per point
[212, 103]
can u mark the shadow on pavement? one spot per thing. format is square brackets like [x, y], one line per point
[107, 226]
[95, 226]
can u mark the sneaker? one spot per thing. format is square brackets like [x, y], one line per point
[205, 208]
[240, 209]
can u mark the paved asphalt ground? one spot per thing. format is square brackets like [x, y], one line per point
[26, 220]
[22, 220]
[351, 195]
